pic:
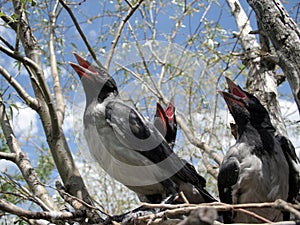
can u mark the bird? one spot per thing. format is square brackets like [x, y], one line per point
[129, 147]
[261, 166]
[165, 122]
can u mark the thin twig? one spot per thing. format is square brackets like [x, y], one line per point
[32, 102]
[138, 77]
[182, 195]
[158, 91]
[280, 204]
[22, 161]
[173, 210]
[254, 215]
[28, 194]
[78, 204]
[52, 215]
[119, 31]
[81, 33]
[7, 43]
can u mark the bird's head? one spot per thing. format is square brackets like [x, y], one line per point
[97, 83]
[237, 108]
[165, 122]
[170, 113]
[245, 106]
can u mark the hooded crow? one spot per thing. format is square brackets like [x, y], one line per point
[260, 167]
[128, 147]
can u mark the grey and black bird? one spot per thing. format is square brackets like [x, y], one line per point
[129, 147]
[165, 122]
[260, 166]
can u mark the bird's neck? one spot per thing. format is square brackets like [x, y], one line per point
[262, 138]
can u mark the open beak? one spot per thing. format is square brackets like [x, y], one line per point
[160, 113]
[235, 89]
[170, 111]
[84, 69]
[231, 99]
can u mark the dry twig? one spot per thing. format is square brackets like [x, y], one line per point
[120, 29]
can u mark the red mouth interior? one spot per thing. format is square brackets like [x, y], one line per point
[85, 64]
[237, 92]
[170, 112]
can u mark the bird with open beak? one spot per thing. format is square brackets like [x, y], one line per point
[129, 148]
[259, 167]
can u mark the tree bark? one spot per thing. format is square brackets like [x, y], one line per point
[261, 77]
[285, 37]
[55, 136]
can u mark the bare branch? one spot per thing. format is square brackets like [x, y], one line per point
[27, 194]
[78, 204]
[158, 91]
[130, 5]
[32, 102]
[287, 207]
[194, 141]
[183, 209]
[261, 77]
[7, 43]
[56, 139]
[119, 31]
[17, 56]
[93, 54]
[256, 216]
[51, 215]
[60, 103]
[137, 76]
[23, 161]
[41, 89]
[285, 37]
[8, 156]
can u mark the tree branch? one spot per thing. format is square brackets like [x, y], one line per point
[51, 215]
[23, 161]
[60, 103]
[183, 209]
[285, 37]
[261, 76]
[56, 139]
[81, 33]
[78, 204]
[8, 156]
[194, 141]
[119, 31]
[32, 102]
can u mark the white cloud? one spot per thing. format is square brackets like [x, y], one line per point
[5, 165]
[93, 34]
[290, 112]
[47, 73]
[74, 112]
[289, 109]
[24, 121]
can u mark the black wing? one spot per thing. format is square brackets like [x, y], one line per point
[293, 162]
[143, 137]
[228, 176]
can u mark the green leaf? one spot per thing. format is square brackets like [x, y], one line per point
[15, 106]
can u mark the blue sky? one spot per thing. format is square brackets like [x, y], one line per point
[164, 25]
[26, 121]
